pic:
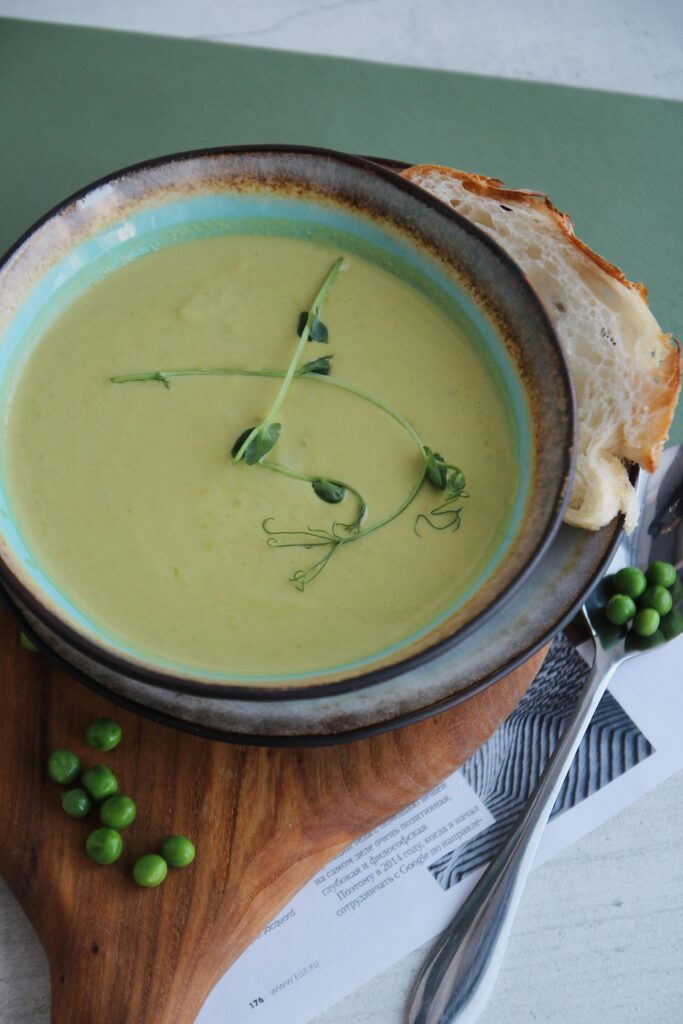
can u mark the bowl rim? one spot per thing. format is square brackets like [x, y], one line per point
[362, 678]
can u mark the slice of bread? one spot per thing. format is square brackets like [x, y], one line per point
[626, 372]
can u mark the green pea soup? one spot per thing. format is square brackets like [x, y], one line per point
[130, 502]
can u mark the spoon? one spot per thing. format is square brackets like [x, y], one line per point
[455, 984]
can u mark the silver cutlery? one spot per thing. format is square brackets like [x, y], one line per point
[456, 982]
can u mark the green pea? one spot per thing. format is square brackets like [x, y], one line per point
[629, 581]
[644, 643]
[104, 845]
[658, 598]
[27, 643]
[676, 591]
[661, 574]
[100, 782]
[103, 734]
[118, 812]
[620, 609]
[150, 870]
[63, 767]
[178, 851]
[646, 622]
[672, 624]
[76, 803]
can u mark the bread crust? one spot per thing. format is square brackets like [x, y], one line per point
[662, 410]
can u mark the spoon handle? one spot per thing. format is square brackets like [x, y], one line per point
[457, 981]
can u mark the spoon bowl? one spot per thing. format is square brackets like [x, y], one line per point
[658, 538]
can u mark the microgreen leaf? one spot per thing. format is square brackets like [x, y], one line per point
[318, 331]
[261, 443]
[264, 438]
[437, 471]
[240, 441]
[321, 365]
[329, 491]
[456, 483]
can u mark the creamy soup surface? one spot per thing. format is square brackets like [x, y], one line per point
[128, 497]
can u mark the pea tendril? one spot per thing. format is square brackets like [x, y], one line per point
[254, 444]
[331, 491]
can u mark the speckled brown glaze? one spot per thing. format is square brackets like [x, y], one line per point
[464, 253]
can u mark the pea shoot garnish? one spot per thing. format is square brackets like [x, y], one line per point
[263, 437]
[322, 365]
[317, 331]
[333, 492]
[255, 443]
[451, 479]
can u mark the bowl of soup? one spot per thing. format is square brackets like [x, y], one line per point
[277, 425]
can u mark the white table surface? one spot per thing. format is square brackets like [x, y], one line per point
[599, 936]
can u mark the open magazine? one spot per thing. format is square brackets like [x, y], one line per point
[400, 885]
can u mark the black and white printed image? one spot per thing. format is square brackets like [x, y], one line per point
[505, 770]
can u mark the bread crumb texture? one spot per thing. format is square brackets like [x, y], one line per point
[626, 371]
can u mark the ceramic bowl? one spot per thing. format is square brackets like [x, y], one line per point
[367, 209]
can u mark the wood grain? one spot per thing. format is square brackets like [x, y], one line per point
[264, 820]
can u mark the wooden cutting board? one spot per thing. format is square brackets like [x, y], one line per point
[264, 822]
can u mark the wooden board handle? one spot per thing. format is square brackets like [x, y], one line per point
[264, 821]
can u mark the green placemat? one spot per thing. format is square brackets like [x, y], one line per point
[77, 103]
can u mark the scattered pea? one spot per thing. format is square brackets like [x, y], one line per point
[104, 845]
[672, 624]
[118, 812]
[646, 622]
[629, 581]
[620, 609]
[676, 591]
[150, 870]
[178, 851]
[103, 734]
[76, 803]
[661, 574]
[657, 597]
[63, 767]
[27, 643]
[100, 782]
[657, 591]
[645, 643]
